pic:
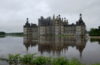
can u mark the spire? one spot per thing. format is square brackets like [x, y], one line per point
[80, 16]
[27, 20]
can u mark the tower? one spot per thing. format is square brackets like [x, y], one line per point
[27, 31]
[80, 27]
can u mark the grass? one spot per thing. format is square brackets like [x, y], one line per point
[31, 59]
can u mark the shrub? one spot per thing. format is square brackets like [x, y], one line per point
[41, 60]
[74, 62]
[60, 61]
[26, 59]
[14, 58]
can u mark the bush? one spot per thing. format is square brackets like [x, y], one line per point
[60, 61]
[26, 59]
[30, 59]
[41, 60]
[14, 59]
[74, 62]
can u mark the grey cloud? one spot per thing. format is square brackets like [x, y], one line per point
[71, 9]
[14, 12]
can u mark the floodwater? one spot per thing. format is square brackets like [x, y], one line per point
[86, 50]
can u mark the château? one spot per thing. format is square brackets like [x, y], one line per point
[54, 26]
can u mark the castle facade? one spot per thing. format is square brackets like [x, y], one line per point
[54, 26]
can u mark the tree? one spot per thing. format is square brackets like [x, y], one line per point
[2, 33]
[99, 27]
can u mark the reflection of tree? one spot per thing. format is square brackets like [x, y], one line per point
[95, 40]
[2, 36]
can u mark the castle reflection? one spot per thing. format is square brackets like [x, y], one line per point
[58, 44]
[29, 42]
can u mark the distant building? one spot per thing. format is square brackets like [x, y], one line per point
[54, 26]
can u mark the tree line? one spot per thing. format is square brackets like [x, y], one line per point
[2, 33]
[95, 31]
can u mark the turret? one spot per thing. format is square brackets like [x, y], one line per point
[80, 27]
[27, 24]
[58, 18]
[81, 22]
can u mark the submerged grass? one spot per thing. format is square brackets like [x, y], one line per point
[31, 59]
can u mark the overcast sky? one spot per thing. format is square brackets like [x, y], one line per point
[13, 13]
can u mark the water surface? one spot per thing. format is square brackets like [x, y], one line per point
[87, 51]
